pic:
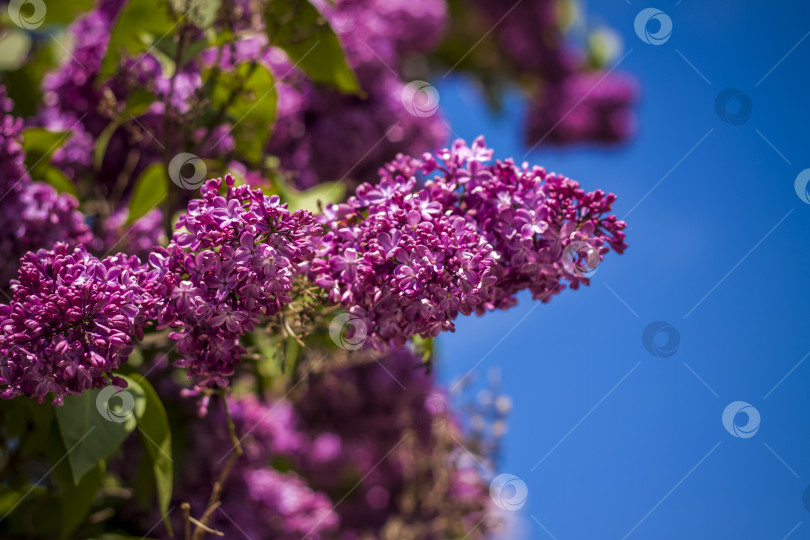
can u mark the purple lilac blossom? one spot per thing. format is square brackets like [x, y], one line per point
[71, 322]
[407, 261]
[230, 266]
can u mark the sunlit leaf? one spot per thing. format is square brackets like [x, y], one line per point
[55, 177]
[140, 24]
[299, 28]
[39, 145]
[150, 190]
[326, 193]
[95, 423]
[156, 436]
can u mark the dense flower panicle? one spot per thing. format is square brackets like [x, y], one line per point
[32, 214]
[230, 266]
[71, 321]
[401, 260]
[528, 215]
[408, 261]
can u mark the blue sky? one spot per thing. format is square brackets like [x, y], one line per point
[612, 441]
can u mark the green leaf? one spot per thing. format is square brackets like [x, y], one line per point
[248, 95]
[140, 24]
[24, 85]
[138, 102]
[76, 499]
[94, 424]
[156, 436]
[326, 193]
[150, 190]
[55, 177]
[298, 27]
[39, 145]
[66, 12]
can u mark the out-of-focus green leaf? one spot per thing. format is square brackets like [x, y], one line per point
[75, 498]
[326, 193]
[24, 84]
[138, 102]
[55, 177]
[150, 190]
[156, 436]
[14, 49]
[140, 24]
[39, 145]
[249, 97]
[94, 424]
[168, 50]
[66, 12]
[299, 28]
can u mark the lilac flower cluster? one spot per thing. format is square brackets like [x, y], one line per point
[231, 266]
[352, 447]
[71, 322]
[407, 261]
[32, 214]
[409, 267]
